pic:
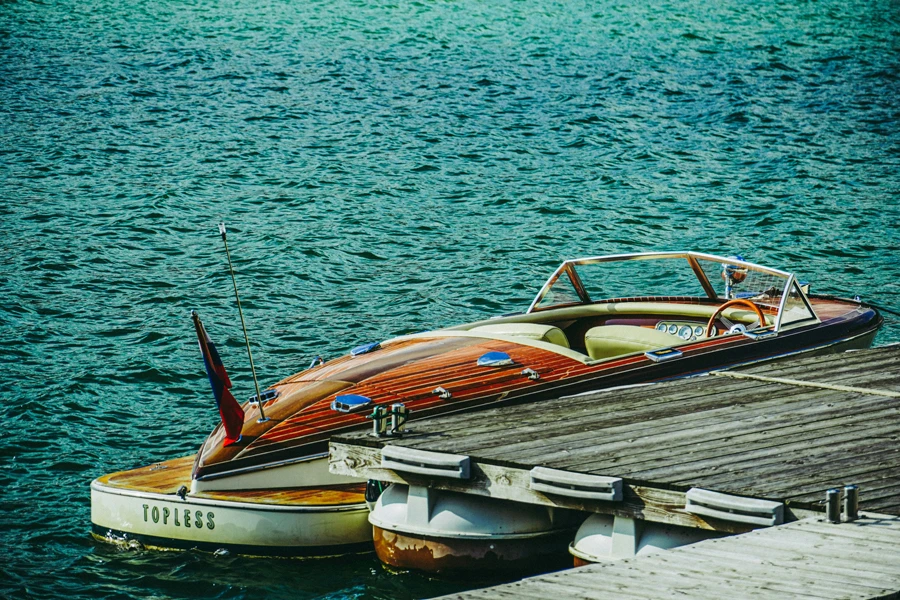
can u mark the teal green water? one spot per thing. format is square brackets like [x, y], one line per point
[384, 167]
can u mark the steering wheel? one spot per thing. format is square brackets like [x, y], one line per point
[736, 302]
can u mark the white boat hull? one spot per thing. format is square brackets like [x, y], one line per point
[289, 522]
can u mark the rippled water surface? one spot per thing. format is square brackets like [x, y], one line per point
[384, 167]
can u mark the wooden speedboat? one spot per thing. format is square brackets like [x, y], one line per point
[589, 327]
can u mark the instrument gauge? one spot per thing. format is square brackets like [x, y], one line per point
[698, 331]
[661, 326]
[673, 329]
[685, 332]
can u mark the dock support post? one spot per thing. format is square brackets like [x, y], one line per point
[851, 502]
[833, 505]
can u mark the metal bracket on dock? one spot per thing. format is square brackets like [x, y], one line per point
[398, 415]
[421, 462]
[734, 508]
[576, 485]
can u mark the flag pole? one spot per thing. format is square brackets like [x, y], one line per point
[259, 402]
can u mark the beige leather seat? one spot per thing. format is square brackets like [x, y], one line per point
[615, 340]
[532, 331]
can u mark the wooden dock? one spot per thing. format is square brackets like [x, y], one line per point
[804, 559]
[784, 431]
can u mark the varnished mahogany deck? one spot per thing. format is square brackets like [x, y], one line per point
[159, 478]
[168, 476]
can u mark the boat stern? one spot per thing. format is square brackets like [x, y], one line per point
[151, 507]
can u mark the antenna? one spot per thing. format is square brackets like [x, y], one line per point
[259, 401]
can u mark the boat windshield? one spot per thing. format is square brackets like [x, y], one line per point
[672, 276]
[639, 278]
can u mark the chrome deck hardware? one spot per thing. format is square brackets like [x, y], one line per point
[442, 393]
[266, 396]
[764, 333]
[663, 354]
[531, 374]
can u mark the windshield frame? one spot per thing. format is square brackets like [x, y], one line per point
[568, 268]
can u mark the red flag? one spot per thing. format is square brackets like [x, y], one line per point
[231, 412]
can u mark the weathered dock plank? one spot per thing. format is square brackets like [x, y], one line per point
[804, 559]
[777, 429]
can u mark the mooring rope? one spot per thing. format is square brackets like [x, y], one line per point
[812, 384]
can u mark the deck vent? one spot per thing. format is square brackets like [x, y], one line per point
[350, 403]
[266, 396]
[494, 359]
[734, 508]
[365, 348]
[576, 485]
[421, 462]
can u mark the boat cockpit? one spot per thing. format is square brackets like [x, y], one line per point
[601, 307]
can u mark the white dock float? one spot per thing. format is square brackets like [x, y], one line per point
[804, 559]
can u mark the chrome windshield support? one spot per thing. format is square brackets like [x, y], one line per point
[784, 297]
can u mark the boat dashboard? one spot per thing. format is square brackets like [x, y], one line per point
[685, 330]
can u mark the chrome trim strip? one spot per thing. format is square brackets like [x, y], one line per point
[100, 488]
